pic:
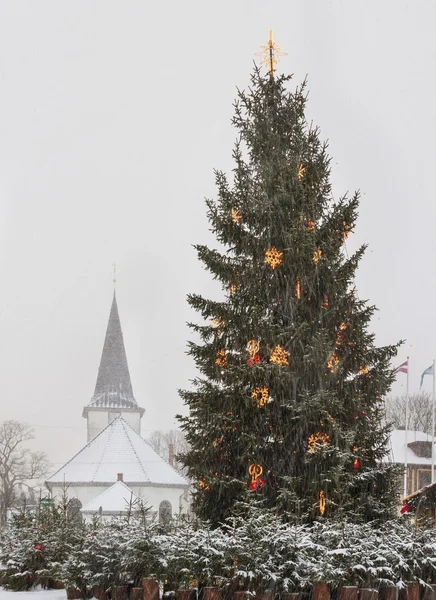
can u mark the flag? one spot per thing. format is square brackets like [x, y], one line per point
[429, 371]
[403, 368]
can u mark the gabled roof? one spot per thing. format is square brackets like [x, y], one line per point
[113, 388]
[118, 449]
[115, 499]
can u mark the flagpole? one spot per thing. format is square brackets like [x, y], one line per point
[405, 431]
[432, 425]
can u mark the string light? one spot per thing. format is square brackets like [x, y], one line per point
[318, 438]
[317, 255]
[363, 370]
[322, 502]
[203, 485]
[340, 337]
[273, 257]
[260, 394]
[221, 358]
[253, 348]
[279, 356]
[232, 288]
[235, 216]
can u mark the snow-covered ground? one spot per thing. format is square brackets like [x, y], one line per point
[33, 595]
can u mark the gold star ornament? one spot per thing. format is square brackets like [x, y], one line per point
[273, 257]
[279, 356]
[260, 394]
[270, 54]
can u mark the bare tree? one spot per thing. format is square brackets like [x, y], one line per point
[420, 411]
[160, 442]
[17, 463]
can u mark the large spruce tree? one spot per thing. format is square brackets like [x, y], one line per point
[288, 406]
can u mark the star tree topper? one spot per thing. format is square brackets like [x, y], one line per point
[270, 54]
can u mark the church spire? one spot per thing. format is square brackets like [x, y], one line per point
[113, 388]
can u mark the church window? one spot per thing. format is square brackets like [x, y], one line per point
[165, 511]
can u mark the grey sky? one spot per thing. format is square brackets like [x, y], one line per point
[112, 118]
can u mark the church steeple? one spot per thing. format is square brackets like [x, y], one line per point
[113, 394]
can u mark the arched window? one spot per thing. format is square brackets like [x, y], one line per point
[165, 511]
[73, 510]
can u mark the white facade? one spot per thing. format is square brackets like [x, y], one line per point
[115, 450]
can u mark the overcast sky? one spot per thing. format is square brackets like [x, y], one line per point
[112, 118]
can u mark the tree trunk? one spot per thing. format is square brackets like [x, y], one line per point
[150, 588]
[410, 592]
[119, 592]
[320, 591]
[348, 592]
[211, 593]
[369, 594]
[99, 592]
[136, 593]
[388, 592]
[74, 593]
[187, 594]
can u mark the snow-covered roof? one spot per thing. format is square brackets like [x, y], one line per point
[118, 449]
[397, 449]
[115, 499]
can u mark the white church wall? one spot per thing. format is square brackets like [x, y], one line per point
[133, 419]
[151, 495]
[97, 421]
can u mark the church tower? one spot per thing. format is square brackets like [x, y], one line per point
[113, 395]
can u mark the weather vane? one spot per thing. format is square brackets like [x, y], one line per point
[115, 273]
[270, 54]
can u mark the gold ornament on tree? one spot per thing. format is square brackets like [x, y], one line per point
[221, 358]
[298, 289]
[203, 485]
[363, 370]
[325, 303]
[279, 356]
[235, 216]
[317, 255]
[218, 324]
[301, 171]
[253, 348]
[318, 438]
[232, 288]
[332, 363]
[273, 257]
[260, 394]
[322, 502]
[346, 231]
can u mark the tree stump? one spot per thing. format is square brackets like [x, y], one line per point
[430, 593]
[269, 595]
[241, 595]
[119, 592]
[99, 592]
[410, 592]
[211, 593]
[320, 591]
[369, 594]
[348, 592]
[388, 592]
[74, 593]
[150, 587]
[188, 594]
[136, 593]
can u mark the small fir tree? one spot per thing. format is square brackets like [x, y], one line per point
[288, 405]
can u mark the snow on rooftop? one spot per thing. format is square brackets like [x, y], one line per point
[115, 499]
[118, 449]
[397, 450]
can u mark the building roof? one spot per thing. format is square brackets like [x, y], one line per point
[115, 499]
[113, 388]
[118, 449]
[397, 452]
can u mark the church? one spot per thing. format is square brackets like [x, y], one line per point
[117, 465]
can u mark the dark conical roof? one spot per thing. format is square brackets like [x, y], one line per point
[113, 388]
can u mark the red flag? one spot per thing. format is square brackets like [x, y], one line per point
[403, 368]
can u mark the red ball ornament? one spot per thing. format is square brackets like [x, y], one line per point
[37, 547]
[257, 484]
[253, 360]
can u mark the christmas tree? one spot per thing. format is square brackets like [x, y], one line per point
[287, 409]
